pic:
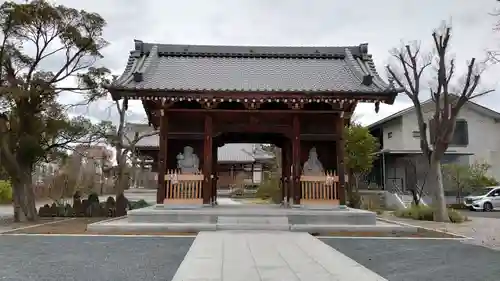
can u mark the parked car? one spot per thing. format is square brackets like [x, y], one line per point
[485, 199]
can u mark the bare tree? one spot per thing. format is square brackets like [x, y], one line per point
[124, 146]
[448, 101]
[416, 176]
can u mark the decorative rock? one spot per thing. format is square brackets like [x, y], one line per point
[93, 198]
[53, 210]
[44, 211]
[111, 206]
[85, 207]
[77, 207]
[69, 211]
[121, 205]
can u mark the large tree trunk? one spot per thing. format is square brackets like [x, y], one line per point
[17, 202]
[24, 198]
[120, 185]
[439, 202]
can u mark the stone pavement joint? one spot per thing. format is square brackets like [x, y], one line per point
[259, 255]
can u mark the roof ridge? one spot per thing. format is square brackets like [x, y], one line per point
[234, 50]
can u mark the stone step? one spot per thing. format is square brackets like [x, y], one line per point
[123, 225]
[260, 215]
[252, 220]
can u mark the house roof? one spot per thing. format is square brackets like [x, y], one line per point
[418, 151]
[241, 153]
[472, 105]
[178, 68]
[234, 152]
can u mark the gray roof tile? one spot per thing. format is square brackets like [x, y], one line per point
[232, 68]
[250, 74]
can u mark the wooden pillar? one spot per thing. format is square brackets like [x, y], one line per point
[207, 160]
[161, 192]
[340, 149]
[295, 190]
[215, 169]
[286, 169]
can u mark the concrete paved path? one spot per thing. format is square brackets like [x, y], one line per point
[249, 256]
[227, 201]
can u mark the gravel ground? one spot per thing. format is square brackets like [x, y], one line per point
[484, 231]
[472, 214]
[422, 260]
[55, 258]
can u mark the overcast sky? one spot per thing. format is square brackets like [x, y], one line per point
[383, 24]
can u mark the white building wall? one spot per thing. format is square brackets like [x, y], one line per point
[393, 135]
[257, 174]
[484, 136]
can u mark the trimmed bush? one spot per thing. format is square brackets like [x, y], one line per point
[5, 192]
[270, 189]
[93, 198]
[426, 213]
[138, 204]
[457, 206]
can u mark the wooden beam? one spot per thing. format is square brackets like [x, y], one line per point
[318, 137]
[252, 128]
[242, 95]
[254, 111]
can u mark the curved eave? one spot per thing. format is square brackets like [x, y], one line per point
[117, 93]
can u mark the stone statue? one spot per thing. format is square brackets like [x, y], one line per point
[188, 162]
[313, 167]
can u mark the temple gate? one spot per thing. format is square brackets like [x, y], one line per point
[297, 98]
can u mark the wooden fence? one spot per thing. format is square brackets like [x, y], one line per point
[183, 188]
[319, 189]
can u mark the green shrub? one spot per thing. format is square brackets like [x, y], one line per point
[426, 213]
[5, 192]
[372, 204]
[93, 198]
[457, 206]
[270, 189]
[138, 204]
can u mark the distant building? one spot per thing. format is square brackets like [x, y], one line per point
[238, 163]
[476, 139]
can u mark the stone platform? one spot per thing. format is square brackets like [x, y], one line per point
[321, 220]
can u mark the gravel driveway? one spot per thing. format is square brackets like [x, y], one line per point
[484, 231]
[55, 258]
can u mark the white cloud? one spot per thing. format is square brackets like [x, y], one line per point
[382, 24]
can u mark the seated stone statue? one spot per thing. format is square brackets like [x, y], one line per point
[188, 162]
[313, 167]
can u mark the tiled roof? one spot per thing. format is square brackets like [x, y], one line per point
[141, 129]
[234, 152]
[488, 112]
[251, 69]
